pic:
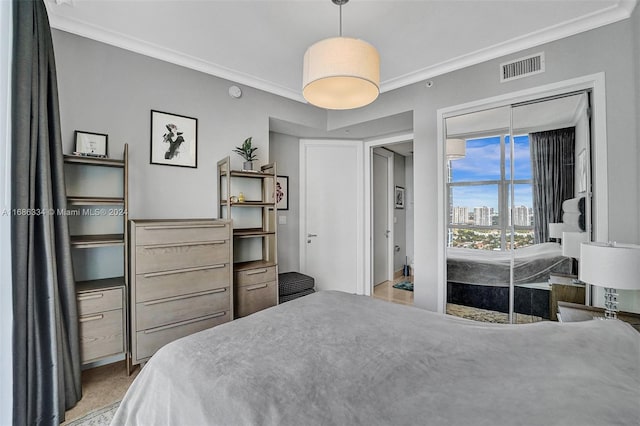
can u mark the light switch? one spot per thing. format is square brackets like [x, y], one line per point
[282, 220]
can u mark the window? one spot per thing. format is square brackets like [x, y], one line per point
[481, 213]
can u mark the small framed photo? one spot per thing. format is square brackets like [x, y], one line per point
[282, 192]
[399, 197]
[91, 144]
[174, 139]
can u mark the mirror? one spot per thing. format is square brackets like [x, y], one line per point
[518, 209]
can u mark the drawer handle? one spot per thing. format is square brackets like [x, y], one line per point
[155, 228]
[92, 318]
[185, 296]
[166, 327]
[256, 287]
[90, 296]
[180, 271]
[261, 271]
[195, 243]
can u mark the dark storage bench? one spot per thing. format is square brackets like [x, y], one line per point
[292, 285]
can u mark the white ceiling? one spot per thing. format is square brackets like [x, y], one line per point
[261, 43]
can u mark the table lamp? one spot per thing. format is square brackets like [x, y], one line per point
[612, 266]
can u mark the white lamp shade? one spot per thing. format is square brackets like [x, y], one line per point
[456, 149]
[341, 73]
[610, 265]
[571, 242]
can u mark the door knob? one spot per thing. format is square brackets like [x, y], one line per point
[312, 235]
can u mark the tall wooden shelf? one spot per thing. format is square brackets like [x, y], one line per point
[255, 234]
[102, 294]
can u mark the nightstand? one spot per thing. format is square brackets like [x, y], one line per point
[574, 312]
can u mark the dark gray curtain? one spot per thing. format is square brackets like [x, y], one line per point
[553, 164]
[46, 355]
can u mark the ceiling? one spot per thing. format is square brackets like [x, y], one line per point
[261, 43]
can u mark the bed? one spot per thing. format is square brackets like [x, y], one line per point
[333, 358]
[532, 264]
[480, 278]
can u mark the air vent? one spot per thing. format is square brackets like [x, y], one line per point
[522, 67]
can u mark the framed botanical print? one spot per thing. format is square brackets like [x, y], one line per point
[282, 192]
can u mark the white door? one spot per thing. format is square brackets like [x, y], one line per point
[381, 229]
[331, 206]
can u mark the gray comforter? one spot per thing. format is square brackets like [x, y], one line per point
[531, 264]
[337, 359]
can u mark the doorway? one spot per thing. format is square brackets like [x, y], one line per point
[388, 221]
[382, 212]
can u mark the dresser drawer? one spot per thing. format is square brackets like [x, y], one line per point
[101, 335]
[91, 302]
[159, 285]
[181, 233]
[256, 297]
[149, 341]
[180, 308]
[254, 276]
[166, 257]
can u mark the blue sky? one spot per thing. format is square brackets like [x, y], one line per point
[482, 162]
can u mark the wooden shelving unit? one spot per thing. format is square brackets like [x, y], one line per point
[255, 234]
[102, 300]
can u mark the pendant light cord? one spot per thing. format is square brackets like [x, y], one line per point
[340, 19]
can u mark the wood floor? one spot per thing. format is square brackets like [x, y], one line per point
[385, 291]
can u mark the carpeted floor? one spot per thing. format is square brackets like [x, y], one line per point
[483, 315]
[101, 387]
[99, 417]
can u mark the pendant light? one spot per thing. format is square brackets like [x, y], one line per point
[341, 72]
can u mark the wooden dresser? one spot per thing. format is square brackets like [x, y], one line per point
[181, 280]
[101, 305]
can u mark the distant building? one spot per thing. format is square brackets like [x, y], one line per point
[521, 216]
[460, 215]
[482, 216]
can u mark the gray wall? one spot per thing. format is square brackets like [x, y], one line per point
[109, 90]
[612, 49]
[400, 215]
[636, 37]
[285, 151]
[408, 166]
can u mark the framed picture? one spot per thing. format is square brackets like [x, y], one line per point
[174, 139]
[399, 197]
[282, 192]
[91, 144]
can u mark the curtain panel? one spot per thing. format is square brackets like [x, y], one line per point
[46, 355]
[553, 165]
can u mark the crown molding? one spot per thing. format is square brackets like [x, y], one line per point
[610, 15]
[622, 10]
[142, 47]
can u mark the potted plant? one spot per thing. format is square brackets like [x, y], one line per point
[248, 153]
